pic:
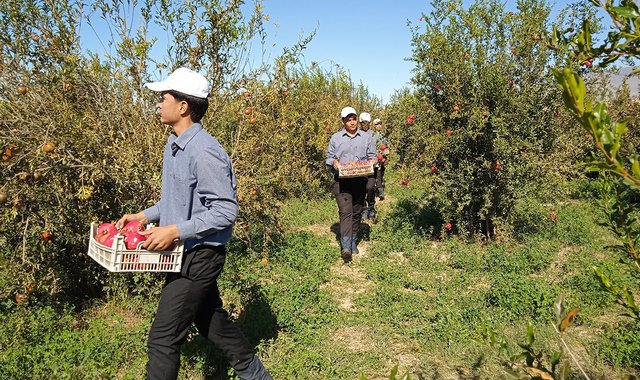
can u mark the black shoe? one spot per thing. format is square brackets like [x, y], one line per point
[372, 214]
[346, 256]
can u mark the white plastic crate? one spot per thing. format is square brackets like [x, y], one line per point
[120, 259]
[362, 169]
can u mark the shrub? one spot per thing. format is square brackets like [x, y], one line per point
[484, 124]
[103, 142]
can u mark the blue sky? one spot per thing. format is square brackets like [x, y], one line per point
[370, 39]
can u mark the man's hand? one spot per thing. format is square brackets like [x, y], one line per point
[140, 217]
[336, 164]
[161, 238]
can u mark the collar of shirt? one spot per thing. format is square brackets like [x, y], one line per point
[180, 142]
[344, 132]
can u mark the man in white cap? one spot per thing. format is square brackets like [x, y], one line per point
[383, 149]
[369, 211]
[198, 207]
[365, 121]
[349, 145]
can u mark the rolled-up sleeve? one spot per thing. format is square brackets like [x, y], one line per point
[216, 193]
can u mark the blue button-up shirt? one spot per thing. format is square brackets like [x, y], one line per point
[198, 189]
[380, 138]
[345, 148]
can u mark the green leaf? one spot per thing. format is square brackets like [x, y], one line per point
[394, 372]
[554, 36]
[629, 182]
[606, 137]
[630, 300]
[575, 90]
[621, 128]
[600, 165]
[558, 308]
[635, 167]
[519, 357]
[530, 335]
[565, 371]
[555, 358]
[604, 280]
[626, 12]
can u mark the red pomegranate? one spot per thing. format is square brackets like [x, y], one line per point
[132, 240]
[133, 226]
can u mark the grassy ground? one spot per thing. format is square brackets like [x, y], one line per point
[406, 299]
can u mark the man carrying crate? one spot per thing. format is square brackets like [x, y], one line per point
[197, 206]
[349, 154]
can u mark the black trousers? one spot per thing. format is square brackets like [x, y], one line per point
[192, 296]
[380, 179]
[371, 189]
[350, 194]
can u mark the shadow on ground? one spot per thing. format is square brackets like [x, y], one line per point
[425, 219]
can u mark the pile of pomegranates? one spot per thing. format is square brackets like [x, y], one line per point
[107, 232]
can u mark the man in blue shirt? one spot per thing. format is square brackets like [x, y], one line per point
[197, 206]
[382, 144]
[369, 211]
[347, 146]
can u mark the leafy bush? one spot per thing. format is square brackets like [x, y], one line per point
[483, 126]
[102, 141]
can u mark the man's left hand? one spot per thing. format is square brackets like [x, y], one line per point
[161, 238]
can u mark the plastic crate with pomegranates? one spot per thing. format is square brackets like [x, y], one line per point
[120, 251]
[355, 169]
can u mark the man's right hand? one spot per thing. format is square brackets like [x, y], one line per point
[126, 218]
[336, 164]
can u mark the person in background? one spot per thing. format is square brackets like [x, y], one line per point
[383, 149]
[346, 146]
[369, 211]
[197, 206]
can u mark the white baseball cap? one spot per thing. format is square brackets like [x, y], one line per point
[185, 81]
[377, 121]
[365, 116]
[346, 111]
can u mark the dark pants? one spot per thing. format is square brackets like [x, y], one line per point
[193, 297]
[371, 190]
[380, 180]
[350, 193]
